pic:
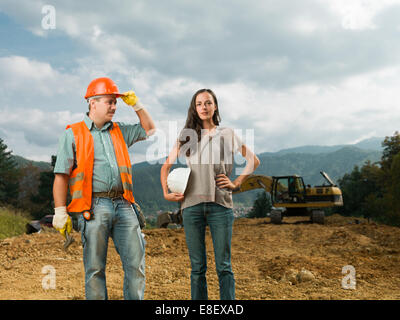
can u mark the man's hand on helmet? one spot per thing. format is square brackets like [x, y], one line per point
[131, 99]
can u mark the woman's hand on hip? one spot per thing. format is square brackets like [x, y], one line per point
[224, 182]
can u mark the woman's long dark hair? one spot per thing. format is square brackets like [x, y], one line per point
[194, 122]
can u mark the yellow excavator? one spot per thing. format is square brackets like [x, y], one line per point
[291, 197]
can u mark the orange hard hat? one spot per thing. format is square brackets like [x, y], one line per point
[101, 86]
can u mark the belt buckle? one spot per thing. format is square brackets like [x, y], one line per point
[113, 194]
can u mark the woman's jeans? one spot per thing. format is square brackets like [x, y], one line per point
[220, 221]
[115, 218]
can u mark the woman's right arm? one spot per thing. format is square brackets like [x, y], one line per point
[170, 196]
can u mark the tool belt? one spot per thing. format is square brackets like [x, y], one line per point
[112, 194]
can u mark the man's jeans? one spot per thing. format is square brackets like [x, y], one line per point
[117, 219]
[220, 221]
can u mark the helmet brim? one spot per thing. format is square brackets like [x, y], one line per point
[117, 95]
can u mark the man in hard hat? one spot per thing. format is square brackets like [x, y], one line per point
[93, 161]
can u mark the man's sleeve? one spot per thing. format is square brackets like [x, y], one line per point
[65, 153]
[132, 133]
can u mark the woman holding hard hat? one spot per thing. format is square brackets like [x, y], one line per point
[205, 190]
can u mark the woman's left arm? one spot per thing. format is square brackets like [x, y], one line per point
[252, 162]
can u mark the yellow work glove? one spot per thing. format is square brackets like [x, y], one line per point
[131, 99]
[62, 221]
[67, 228]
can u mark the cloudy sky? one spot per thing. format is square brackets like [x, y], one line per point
[293, 72]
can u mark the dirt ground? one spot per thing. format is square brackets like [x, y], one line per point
[295, 260]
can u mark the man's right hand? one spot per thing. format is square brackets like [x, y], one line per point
[62, 221]
[131, 99]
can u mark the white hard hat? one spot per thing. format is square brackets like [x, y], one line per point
[178, 179]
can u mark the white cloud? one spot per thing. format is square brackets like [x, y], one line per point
[358, 14]
[305, 25]
[34, 133]
[315, 114]
[23, 77]
[298, 72]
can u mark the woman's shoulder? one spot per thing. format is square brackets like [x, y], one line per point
[226, 131]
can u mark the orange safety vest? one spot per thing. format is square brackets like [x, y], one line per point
[80, 181]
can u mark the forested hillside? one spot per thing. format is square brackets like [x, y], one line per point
[306, 161]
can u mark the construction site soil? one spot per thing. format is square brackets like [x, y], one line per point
[343, 259]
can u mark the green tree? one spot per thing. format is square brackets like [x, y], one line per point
[374, 190]
[359, 185]
[262, 205]
[28, 185]
[43, 200]
[390, 164]
[9, 175]
[392, 196]
[391, 147]
[374, 207]
[351, 198]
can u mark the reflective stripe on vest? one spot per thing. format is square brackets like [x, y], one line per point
[123, 161]
[80, 182]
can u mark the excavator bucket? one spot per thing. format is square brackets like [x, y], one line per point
[255, 182]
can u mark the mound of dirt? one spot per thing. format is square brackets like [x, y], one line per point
[294, 260]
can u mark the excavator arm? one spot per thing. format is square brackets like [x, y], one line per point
[255, 182]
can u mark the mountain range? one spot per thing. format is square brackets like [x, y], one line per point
[306, 161]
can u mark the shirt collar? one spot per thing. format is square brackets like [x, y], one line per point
[90, 124]
[206, 139]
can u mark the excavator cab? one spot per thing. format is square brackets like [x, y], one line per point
[288, 189]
